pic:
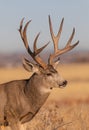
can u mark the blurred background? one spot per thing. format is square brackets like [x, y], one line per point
[72, 102]
[74, 65]
[75, 14]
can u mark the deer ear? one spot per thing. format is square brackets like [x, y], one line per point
[30, 66]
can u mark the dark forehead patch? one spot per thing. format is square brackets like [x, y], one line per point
[51, 69]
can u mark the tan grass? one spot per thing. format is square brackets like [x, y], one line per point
[65, 109]
[8, 74]
[77, 76]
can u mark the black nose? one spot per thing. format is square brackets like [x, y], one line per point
[65, 83]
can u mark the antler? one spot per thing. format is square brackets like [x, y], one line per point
[36, 51]
[56, 38]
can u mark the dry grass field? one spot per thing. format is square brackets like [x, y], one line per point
[65, 109]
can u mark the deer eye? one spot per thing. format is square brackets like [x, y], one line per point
[49, 74]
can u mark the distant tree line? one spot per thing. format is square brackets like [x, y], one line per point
[15, 59]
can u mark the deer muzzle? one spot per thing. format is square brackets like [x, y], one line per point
[63, 84]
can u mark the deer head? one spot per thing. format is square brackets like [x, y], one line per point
[42, 72]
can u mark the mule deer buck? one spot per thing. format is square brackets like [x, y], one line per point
[20, 100]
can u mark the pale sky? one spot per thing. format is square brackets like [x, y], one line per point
[75, 13]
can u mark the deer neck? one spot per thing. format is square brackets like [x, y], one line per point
[33, 93]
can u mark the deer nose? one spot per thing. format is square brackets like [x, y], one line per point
[64, 83]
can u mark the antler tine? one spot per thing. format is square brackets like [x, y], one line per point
[68, 46]
[20, 29]
[23, 35]
[37, 51]
[34, 54]
[71, 37]
[55, 39]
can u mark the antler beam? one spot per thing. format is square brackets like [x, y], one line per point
[55, 39]
[36, 51]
